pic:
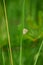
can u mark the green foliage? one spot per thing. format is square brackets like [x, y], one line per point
[17, 48]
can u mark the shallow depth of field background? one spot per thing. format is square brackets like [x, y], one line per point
[21, 32]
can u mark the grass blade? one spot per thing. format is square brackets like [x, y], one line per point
[22, 20]
[3, 57]
[11, 59]
[37, 56]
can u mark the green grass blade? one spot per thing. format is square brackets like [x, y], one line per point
[11, 59]
[22, 20]
[37, 56]
[3, 57]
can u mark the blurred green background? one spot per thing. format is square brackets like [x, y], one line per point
[21, 14]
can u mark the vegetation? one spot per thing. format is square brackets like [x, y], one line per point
[21, 32]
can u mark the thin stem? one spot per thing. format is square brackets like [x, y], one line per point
[37, 56]
[11, 58]
[22, 32]
[3, 57]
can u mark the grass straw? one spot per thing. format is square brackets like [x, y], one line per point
[38, 53]
[23, 16]
[11, 58]
[3, 57]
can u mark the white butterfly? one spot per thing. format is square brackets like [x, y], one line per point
[25, 31]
